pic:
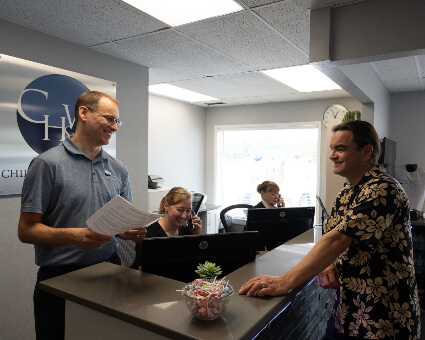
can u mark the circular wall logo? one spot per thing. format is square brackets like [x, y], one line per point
[46, 110]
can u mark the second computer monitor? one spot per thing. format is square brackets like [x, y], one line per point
[177, 257]
[279, 225]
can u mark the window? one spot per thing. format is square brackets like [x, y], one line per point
[248, 155]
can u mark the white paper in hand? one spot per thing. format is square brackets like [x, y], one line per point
[119, 215]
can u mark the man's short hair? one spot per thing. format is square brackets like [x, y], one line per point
[91, 99]
[363, 134]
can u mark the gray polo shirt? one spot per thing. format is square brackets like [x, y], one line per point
[66, 187]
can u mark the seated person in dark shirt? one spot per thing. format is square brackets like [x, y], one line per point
[270, 196]
[176, 208]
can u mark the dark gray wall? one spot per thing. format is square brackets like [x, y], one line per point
[407, 127]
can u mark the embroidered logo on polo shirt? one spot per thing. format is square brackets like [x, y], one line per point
[108, 173]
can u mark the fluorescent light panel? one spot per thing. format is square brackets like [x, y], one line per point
[176, 92]
[303, 78]
[179, 12]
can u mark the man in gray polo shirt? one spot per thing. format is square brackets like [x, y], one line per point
[64, 186]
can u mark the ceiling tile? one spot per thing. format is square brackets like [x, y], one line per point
[244, 37]
[174, 48]
[266, 99]
[207, 86]
[291, 20]
[256, 3]
[80, 21]
[421, 64]
[170, 74]
[159, 71]
[314, 4]
[405, 85]
[401, 68]
[327, 94]
[253, 84]
[218, 56]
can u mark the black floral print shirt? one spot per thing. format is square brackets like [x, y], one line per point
[378, 296]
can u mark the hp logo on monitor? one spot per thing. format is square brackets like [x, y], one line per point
[203, 245]
[282, 214]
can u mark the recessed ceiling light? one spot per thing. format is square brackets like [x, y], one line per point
[303, 78]
[176, 92]
[180, 12]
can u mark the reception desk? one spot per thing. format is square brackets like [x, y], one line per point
[106, 301]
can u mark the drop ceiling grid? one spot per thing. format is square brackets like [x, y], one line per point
[253, 39]
[207, 86]
[236, 86]
[243, 37]
[291, 20]
[159, 71]
[401, 68]
[169, 74]
[313, 4]
[171, 47]
[266, 99]
[327, 94]
[255, 83]
[421, 63]
[84, 22]
[113, 20]
[404, 85]
[257, 3]
[42, 18]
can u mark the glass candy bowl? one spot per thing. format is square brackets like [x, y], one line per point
[207, 299]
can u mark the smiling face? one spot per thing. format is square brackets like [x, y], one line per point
[349, 160]
[98, 127]
[178, 214]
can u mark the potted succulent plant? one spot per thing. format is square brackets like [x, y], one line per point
[351, 115]
[208, 269]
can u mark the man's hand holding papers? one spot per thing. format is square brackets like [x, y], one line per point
[120, 217]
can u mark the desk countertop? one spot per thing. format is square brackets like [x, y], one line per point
[208, 207]
[154, 303]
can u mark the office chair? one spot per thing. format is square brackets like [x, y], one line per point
[237, 223]
[126, 252]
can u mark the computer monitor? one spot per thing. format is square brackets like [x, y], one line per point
[279, 225]
[177, 257]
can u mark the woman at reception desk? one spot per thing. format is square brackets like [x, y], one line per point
[270, 195]
[176, 208]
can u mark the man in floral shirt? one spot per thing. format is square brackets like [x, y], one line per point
[368, 233]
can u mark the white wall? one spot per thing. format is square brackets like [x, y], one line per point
[305, 111]
[365, 78]
[177, 143]
[17, 268]
[407, 127]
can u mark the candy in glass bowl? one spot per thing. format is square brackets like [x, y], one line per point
[206, 298]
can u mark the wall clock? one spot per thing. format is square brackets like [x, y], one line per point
[333, 114]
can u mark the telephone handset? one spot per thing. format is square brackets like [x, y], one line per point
[196, 206]
[189, 223]
[193, 213]
[280, 205]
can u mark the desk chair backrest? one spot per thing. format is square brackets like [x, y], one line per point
[126, 252]
[234, 224]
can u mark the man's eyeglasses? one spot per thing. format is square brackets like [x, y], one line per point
[111, 120]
